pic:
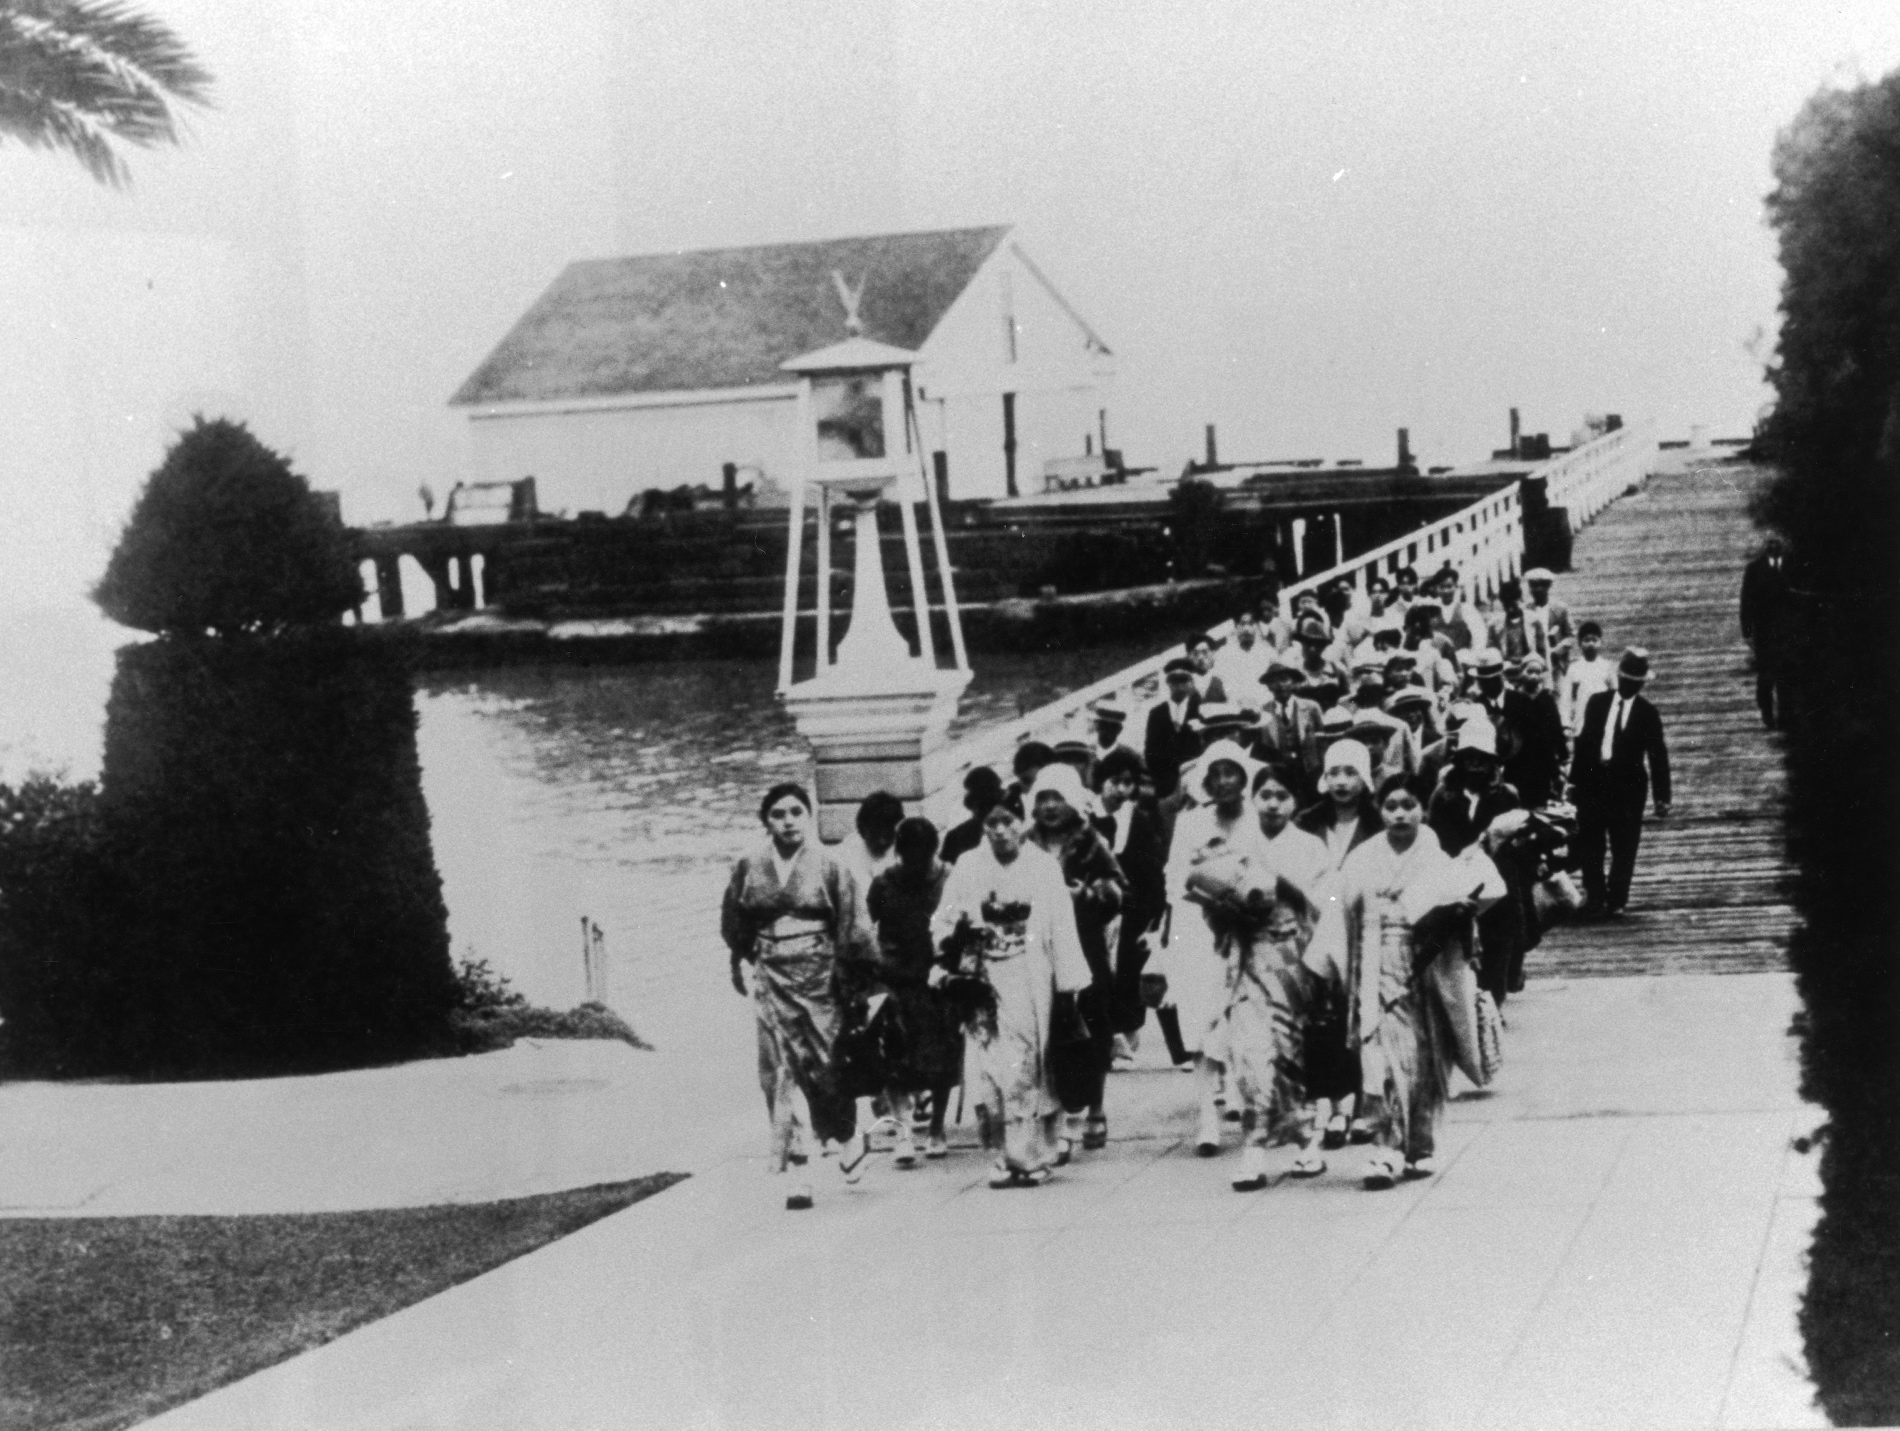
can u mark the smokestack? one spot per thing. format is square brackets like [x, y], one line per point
[1213, 459]
[731, 474]
[1406, 464]
[1514, 433]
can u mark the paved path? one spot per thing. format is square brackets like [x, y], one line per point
[1614, 1241]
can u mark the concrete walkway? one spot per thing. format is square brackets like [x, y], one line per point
[1615, 1240]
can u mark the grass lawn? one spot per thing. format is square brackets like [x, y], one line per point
[107, 1321]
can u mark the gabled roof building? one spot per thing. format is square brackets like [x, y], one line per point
[657, 371]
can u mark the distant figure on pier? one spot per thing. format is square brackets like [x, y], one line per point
[1547, 621]
[1764, 619]
[1207, 682]
[1589, 673]
[1243, 660]
[1620, 757]
[1110, 721]
[1170, 739]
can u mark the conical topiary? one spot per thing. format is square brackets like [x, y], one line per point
[225, 538]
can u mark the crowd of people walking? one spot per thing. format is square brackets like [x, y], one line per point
[1317, 875]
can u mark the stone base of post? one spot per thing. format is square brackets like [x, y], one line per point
[871, 732]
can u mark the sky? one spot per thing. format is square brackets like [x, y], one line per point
[1308, 223]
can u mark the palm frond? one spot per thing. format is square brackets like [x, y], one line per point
[77, 74]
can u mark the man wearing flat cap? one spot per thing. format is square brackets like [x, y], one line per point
[1620, 758]
[1547, 622]
[1170, 741]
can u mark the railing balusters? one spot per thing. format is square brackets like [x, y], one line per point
[1583, 481]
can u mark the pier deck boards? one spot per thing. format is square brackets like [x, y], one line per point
[1662, 568]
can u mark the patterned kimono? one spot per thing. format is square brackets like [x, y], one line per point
[1202, 941]
[1269, 990]
[793, 934]
[1393, 1017]
[1014, 926]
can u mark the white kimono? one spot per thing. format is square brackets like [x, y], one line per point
[1031, 952]
[1195, 959]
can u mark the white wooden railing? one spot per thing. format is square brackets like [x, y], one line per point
[1483, 542]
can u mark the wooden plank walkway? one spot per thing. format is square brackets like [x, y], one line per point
[1663, 569]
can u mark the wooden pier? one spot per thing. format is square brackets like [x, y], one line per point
[1662, 568]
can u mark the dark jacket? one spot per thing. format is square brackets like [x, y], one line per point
[961, 839]
[1456, 823]
[1292, 734]
[1167, 749]
[1638, 761]
[1317, 818]
[1143, 860]
[1537, 743]
[1764, 599]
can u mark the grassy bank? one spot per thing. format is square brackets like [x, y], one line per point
[107, 1321]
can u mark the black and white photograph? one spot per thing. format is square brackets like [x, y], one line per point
[907, 717]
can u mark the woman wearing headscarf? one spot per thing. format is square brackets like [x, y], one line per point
[1059, 807]
[794, 913]
[1342, 819]
[1405, 901]
[1210, 914]
[1269, 989]
[1007, 924]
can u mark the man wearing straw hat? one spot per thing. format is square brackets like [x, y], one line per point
[1620, 756]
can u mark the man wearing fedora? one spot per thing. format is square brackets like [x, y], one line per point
[1620, 756]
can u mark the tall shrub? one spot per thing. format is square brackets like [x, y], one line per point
[1834, 434]
[227, 539]
[261, 801]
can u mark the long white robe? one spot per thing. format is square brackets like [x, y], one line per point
[1195, 958]
[1026, 916]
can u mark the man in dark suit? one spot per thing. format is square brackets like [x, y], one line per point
[1620, 756]
[1170, 741]
[1764, 621]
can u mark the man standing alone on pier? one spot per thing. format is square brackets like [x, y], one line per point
[1620, 756]
[1764, 615]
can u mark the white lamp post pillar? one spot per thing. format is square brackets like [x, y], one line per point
[876, 712]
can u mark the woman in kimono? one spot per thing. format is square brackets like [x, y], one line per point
[1006, 922]
[1268, 986]
[1059, 804]
[1342, 819]
[1394, 1015]
[902, 902]
[1204, 927]
[793, 913]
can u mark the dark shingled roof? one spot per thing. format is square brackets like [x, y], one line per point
[721, 318]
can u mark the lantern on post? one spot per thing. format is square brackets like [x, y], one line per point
[878, 707]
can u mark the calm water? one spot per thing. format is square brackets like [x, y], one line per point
[623, 796]
[618, 794]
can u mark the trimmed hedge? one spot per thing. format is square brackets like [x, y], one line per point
[62, 916]
[262, 802]
[1835, 435]
[225, 537]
